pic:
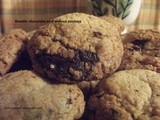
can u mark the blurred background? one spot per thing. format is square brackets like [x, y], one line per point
[12, 10]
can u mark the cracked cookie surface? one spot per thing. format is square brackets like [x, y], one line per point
[72, 52]
[142, 50]
[127, 95]
[26, 96]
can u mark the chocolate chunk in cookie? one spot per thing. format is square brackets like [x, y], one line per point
[82, 63]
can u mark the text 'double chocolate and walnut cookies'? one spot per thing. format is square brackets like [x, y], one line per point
[71, 51]
[142, 50]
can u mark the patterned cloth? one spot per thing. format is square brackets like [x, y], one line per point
[43, 10]
[149, 16]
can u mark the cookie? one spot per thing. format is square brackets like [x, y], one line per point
[23, 63]
[141, 50]
[12, 45]
[127, 95]
[30, 34]
[26, 96]
[76, 47]
[87, 87]
[115, 21]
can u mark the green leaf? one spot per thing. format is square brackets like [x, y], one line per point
[122, 6]
[125, 14]
[110, 2]
[123, 3]
[94, 4]
[96, 11]
[119, 10]
[130, 1]
[99, 3]
[119, 14]
[105, 11]
[128, 6]
[113, 12]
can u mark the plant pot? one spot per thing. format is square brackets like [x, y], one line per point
[127, 10]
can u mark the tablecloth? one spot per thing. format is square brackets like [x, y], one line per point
[149, 16]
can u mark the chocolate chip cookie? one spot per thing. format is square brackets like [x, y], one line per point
[12, 44]
[26, 96]
[142, 50]
[76, 47]
[127, 95]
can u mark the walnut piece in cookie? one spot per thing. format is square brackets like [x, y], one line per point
[73, 52]
[141, 50]
[127, 95]
[12, 44]
[24, 95]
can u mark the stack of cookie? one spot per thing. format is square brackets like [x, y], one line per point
[24, 95]
[80, 63]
